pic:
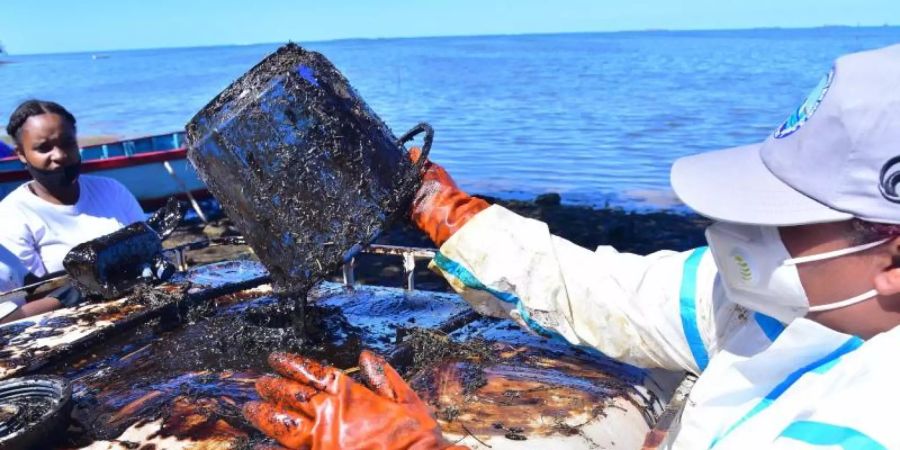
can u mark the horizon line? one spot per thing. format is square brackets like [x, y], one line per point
[320, 41]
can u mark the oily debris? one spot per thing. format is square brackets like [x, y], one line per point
[152, 372]
[244, 339]
[448, 413]
[166, 219]
[431, 345]
[472, 378]
[154, 298]
[511, 433]
[22, 412]
[196, 376]
[10, 332]
[304, 168]
[516, 392]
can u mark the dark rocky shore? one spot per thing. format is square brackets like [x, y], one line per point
[634, 232]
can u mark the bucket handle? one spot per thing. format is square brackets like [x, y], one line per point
[426, 145]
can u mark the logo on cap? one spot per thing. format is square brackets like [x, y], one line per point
[890, 180]
[806, 110]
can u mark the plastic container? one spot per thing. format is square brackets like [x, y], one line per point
[33, 411]
[305, 169]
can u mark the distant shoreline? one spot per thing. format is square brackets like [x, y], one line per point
[478, 36]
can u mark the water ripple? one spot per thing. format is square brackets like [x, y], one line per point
[596, 117]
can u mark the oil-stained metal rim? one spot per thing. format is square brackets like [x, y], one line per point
[54, 388]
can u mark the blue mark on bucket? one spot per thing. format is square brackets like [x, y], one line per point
[308, 74]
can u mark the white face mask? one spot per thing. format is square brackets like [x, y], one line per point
[758, 272]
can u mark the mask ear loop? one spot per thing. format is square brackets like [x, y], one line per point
[834, 254]
[846, 251]
[845, 303]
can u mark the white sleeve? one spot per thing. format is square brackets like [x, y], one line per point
[12, 276]
[660, 310]
[130, 208]
[17, 238]
[12, 273]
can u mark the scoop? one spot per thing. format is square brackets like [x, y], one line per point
[109, 266]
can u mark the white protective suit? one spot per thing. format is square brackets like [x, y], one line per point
[761, 386]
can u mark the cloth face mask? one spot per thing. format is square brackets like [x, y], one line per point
[56, 179]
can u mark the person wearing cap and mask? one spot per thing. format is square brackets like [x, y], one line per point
[59, 208]
[789, 317]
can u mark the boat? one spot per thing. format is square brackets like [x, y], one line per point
[153, 168]
[182, 385]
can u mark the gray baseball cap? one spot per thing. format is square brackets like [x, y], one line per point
[835, 158]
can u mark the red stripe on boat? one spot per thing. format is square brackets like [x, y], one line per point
[116, 162]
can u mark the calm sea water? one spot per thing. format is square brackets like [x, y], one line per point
[598, 118]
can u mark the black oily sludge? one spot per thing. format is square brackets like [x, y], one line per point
[304, 168]
[166, 219]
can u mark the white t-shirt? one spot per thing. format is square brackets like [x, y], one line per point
[40, 233]
[12, 275]
[12, 272]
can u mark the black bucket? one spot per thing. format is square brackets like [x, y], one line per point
[299, 162]
[33, 411]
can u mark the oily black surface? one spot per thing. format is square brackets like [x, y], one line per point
[166, 219]
[111, 265]
[192, 369]
[203, 362]
[299, 162]
[30, 410]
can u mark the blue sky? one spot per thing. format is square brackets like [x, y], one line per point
[89, 25]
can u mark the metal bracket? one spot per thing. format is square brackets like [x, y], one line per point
[409, 254]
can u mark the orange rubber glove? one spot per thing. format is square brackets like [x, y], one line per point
[440, 208]
[320, 408]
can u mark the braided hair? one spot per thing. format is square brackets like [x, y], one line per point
[31, 108]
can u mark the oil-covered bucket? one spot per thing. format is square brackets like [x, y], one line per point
[307, 171]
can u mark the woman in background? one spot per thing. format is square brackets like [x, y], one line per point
[59, 208]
